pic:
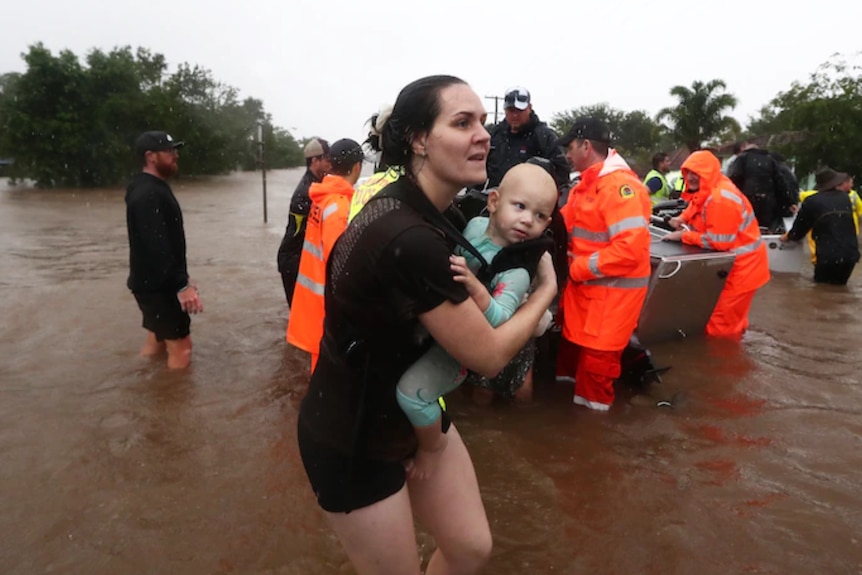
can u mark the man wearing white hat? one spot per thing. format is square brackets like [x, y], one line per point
[521, 136]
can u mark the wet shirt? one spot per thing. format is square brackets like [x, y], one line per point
[388, 267]
[509, 149]
[290, 249]
[758, 175]
[157, 241]
[829, 217]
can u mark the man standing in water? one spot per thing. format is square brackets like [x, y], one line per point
[158, 276]
[317, 165]
[607, 217]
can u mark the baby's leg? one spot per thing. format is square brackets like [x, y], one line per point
[430, 377]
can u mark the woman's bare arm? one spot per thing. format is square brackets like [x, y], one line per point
[464, 332]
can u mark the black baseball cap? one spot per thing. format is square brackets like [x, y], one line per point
[586, 129]
[155, 141]
[345, 153]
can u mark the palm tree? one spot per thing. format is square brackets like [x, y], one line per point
[700, 114]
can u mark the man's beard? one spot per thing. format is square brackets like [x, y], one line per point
[167, 170]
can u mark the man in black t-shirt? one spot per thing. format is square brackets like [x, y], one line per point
[158, 276]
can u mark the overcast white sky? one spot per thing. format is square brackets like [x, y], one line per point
[322, 67]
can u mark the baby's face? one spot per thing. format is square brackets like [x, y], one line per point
[520, 212]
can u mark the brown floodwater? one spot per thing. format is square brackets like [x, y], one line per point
[110, 464]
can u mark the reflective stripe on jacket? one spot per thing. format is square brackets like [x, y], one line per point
[327, 220]
[721, 219]
[607, 216]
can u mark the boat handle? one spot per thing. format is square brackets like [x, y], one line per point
[673, 273]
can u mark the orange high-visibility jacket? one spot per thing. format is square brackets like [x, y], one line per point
[721, 218]
[327, 220]
[607, 216]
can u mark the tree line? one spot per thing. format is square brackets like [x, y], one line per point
[814, 123]
[71, 124]
[74, 125]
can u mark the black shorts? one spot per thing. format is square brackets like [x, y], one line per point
[342, 485]
[163, 315]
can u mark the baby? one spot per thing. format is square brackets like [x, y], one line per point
[519, 210]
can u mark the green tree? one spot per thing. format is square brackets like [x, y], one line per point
[7, 89]
[701, 114]
[282, 150]
[74, 125]
[117, 91]
[46, 118]
[818, 122]
[635, 134]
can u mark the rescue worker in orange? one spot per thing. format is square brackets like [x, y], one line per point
[606, 215]
[327, 220]
[719, 217]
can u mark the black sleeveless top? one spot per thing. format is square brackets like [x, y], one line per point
[389, 266]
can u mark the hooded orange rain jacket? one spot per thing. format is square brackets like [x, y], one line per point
[721, 218]
[607, 216]
[327, 220]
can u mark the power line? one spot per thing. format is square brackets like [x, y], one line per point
[496, 106]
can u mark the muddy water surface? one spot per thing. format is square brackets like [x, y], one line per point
[111, 464]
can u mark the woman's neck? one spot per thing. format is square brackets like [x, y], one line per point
[440, 193]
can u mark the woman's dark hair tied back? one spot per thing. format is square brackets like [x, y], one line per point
[415, 111]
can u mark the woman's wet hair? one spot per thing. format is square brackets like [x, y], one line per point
[415, 111]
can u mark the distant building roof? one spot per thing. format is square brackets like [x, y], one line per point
[677, 157]
[765, 142]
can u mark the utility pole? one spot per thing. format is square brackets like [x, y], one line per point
[496, 105]
[262, 161]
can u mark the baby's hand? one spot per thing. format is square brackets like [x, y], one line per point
[463, 274]
[477, 291]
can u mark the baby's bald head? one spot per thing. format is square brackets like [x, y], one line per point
[533, 182]
[521, 208]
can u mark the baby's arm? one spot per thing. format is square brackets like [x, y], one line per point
[509, 289]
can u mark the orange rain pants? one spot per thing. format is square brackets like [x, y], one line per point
[594, 372]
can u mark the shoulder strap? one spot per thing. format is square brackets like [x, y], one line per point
[419, 202]
[525, 255]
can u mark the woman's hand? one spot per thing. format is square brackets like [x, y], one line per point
[425, 462]
[546, 276]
